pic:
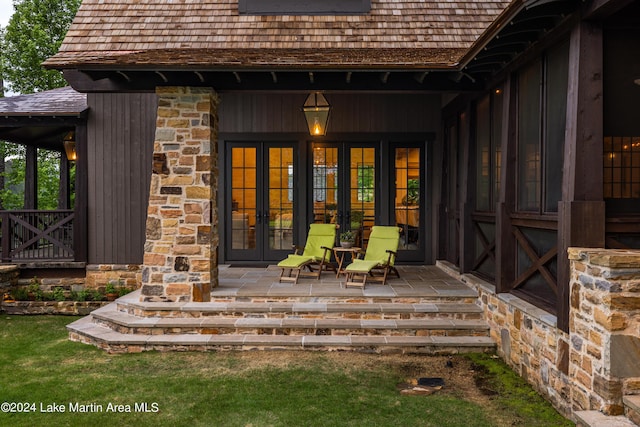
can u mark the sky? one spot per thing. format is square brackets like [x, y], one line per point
[6, 9]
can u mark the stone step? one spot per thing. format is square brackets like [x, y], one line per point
[632, 407]
[86, 331]
[598, 419]
[304, 309]
[289, 325]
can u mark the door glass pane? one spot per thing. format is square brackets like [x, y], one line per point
[280, 195]
[325, 184]
[243, 193]
[407, 196]
[362, 190]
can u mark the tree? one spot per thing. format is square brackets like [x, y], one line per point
[34, 33]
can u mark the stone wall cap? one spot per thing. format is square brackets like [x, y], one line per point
[614, 258]
[8, 268]
[52, 264]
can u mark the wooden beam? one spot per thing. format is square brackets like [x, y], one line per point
[123, 74]
[467, 194]
[599, 9]
[488, 248]
[64, 188]
[581, 213]
[81, 211]
[31, 178]
[505, 241]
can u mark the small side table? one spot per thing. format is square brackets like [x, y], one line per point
[339, 253]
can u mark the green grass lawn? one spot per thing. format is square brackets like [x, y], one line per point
[44, 372]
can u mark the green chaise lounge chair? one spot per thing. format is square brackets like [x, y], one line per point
[316, 254]
[380, 255]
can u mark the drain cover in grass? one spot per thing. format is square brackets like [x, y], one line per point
[431, 382]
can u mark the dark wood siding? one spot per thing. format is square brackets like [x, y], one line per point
[121, 129]
[361, 113]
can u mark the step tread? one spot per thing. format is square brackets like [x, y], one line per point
[308, 307]
[86, 327]
[632, 401]
[598, 419]
[110, 314]
[128, 320]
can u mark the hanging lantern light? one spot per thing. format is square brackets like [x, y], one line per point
[316, 111]
[69, 143]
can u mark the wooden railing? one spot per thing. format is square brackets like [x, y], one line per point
[33, 235]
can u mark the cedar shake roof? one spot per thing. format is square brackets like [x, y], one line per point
[212, 34]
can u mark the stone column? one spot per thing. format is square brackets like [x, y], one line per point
[605, 328]
[180, 252]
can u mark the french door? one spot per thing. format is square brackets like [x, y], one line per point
[261, 202]
[346, 183]
[344, 187]
[407, 198]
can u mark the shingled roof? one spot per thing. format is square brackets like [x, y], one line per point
[212, 34]
[56, 102]
[42, 119]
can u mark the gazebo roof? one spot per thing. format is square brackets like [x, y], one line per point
[56, 102]
[41, 119]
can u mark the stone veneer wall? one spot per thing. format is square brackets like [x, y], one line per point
[9, 275]
[593, 365]
[98, 275]
[605, 327]
[180, 253]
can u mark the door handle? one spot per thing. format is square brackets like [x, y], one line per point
[258, 217]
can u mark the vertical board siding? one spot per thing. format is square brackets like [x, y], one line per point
[121, 133]
[362, 113]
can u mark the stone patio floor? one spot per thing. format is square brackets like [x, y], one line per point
[414, 281]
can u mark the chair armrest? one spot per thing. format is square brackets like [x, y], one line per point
[297, 248]
[391, 254]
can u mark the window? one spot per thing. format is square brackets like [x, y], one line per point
[488, 149]
[621, 167]
[366, 185]
[306, 7]
[542, 100]
[621, 145]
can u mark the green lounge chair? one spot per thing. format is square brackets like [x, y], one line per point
[380, 255]
[316, 254]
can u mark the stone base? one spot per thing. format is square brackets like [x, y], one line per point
[70, 308]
